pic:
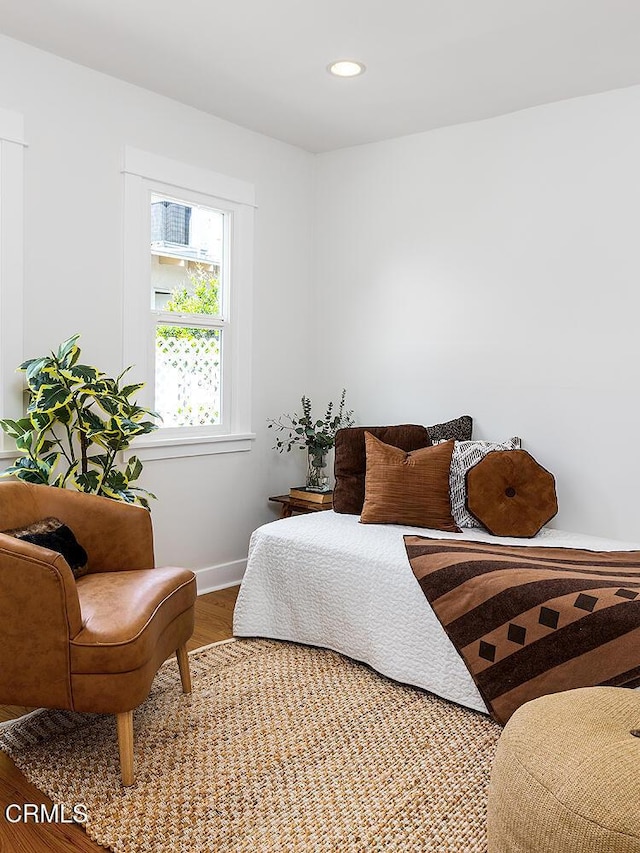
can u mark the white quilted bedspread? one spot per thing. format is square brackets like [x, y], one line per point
[326, 580]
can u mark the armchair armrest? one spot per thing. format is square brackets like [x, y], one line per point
[115, 535]
[39, 613]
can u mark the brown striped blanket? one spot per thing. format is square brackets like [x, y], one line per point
[531, 621]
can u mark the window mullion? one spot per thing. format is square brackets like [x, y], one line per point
[203, 321]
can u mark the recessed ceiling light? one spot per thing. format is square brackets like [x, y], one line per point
[346, 68]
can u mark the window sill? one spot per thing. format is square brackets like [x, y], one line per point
[176, 448]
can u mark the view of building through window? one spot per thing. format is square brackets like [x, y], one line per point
[187, 268]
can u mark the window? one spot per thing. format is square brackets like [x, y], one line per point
[189, 276]
[187, 300]
[11, 263]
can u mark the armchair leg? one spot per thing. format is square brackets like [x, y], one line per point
[124, 724]
[183, 665]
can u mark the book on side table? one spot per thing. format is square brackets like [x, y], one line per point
[304, 494]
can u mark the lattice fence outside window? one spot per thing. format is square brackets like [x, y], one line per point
[188, 375]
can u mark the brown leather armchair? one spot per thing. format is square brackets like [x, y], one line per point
[92, 644]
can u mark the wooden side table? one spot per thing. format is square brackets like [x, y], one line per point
[296, 506]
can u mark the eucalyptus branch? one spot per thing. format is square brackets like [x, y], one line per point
[302, 431]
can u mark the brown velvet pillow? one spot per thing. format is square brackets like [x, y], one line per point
[511, 494]
[53, 534]
[351, 459]
[408, 488]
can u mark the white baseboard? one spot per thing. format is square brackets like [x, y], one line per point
[211, 578]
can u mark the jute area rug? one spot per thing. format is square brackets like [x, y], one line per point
[280, 747]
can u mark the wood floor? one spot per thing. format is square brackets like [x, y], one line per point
[214, 613]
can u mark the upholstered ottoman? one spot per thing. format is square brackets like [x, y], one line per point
[566, 776]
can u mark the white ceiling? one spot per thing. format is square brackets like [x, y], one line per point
[262, 63]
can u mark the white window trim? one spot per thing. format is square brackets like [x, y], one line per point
[222, 323]
[140, 169]
[12, 147]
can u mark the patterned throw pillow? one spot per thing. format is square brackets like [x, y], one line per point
[465, 455]
[459, 429]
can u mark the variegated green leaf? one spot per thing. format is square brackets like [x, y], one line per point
[49, 398]
[35, 366]
[81, 373]
[107, 404]
[96, 388]
[15, 428]
[99, 439]
[64, 414]
[66, 349]
[133, 469]
[101, 459]
[116, 479]
[11, 471]
[29, 470]
[42, 420]
[128, 390]
[32, 475]
[144, 492]
[128, 426]
[27, 364]
[108, 492]
[43, 444]
[92, 421]
[124, 373]
[88, 482]
[44, 467]
[69, 474]
[24, 441]
[25, 462]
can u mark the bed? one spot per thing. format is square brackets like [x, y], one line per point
[326, 580]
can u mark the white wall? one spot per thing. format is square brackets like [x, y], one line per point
[493, 268]
[489, 268]
[77, 122]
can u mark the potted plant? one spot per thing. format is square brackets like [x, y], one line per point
[317, 437]
[78, 419]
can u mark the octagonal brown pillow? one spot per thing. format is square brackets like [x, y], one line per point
[510, 494]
